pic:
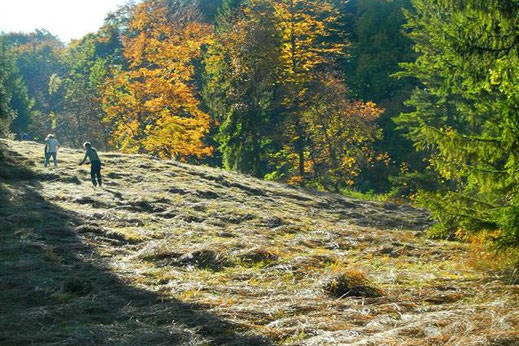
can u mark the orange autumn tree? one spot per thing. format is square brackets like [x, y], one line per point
[153, 106]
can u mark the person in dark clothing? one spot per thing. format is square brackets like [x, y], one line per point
[95, 163]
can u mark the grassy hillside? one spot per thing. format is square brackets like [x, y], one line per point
[168, 253]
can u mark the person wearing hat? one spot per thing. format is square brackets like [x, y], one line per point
[51, 149]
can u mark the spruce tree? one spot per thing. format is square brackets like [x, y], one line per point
[466, 112]
[6, 112]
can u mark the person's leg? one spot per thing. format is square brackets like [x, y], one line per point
[93, 174]
[54, 158]
[47, 157]
[99, 175]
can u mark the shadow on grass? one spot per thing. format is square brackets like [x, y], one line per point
[55, 289]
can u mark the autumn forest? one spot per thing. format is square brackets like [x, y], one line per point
[405, 100]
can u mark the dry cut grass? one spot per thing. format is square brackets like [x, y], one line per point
[168, 253]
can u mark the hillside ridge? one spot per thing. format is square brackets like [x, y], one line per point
[361, 212]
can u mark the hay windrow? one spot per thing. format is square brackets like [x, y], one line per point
[351, 283]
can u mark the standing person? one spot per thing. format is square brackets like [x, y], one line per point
[95, 163]
[51, 149]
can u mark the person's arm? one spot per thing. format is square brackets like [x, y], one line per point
[82, 162]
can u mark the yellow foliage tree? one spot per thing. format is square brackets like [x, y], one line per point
[341, 133]
[307, 42]
[153, 106]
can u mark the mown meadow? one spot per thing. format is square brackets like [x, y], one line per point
[170, 253]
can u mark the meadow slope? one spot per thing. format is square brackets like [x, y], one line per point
[168, 253]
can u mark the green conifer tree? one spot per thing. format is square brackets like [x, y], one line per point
[466, 113]
[6, 112]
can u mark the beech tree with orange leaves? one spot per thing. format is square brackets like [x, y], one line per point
[154, 107]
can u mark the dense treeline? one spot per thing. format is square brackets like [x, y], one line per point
[312, 92]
